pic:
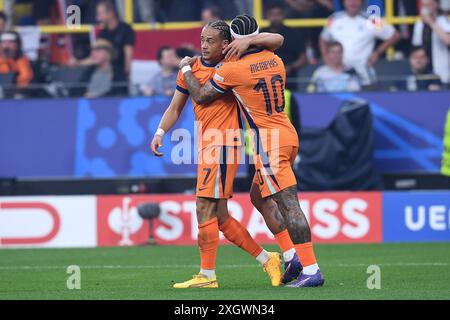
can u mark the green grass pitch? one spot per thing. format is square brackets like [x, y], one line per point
[408, 271]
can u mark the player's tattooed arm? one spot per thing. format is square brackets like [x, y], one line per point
[201, 94]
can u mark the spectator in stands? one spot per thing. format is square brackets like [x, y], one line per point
[244, 6]
[121, 36]
[293, 50]
[181, 10]
[184, 51]
[147, 10]
[358, 37]
[404, 8]
[211, 13]
[101, 82]
[164, 82]
[311, 8]
[334, 76]
[230, 8]
[432, 32]
[445, 7]
[12, 59]
[421, 77]
[3, 22]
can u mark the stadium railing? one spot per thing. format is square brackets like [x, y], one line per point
[59, 89]
[257, 11]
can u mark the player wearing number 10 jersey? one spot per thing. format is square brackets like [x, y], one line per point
[257, 81]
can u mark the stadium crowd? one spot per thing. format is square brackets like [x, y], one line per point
[351, 53]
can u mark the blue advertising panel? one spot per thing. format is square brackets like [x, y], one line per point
[89, 138]
[110, 137]
[416, 216]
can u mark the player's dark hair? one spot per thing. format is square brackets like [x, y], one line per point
[244, 24]
[222, 27]
[161, 51]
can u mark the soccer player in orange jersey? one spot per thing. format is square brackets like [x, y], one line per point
[257, 80]
[218, 159]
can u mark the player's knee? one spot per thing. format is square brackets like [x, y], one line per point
[222, 211]
[206, 209]
[255, 202]
[255, 198]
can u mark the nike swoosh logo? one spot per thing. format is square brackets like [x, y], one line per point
[303, 282]
[201, 284]
[201, 189]
[288, 268]
[298, 284]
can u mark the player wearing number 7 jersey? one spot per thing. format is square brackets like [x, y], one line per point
[218, 162]
[257, 81]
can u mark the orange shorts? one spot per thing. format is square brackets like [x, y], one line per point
[273, 170]
[216, 170]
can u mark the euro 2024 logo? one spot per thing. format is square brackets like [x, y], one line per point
[374, 17]
[125, 221]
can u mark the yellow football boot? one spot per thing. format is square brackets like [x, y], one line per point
[197, 281]
[273, 268]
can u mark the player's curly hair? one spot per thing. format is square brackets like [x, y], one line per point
[222, 27]
[244, 24]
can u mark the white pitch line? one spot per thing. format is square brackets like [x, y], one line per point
[229, 266]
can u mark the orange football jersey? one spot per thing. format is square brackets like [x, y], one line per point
[219, 118]
[258, 80]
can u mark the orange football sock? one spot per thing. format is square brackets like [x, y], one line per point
[305, 253]
[237, 234]
[208, 241]
[284, 240]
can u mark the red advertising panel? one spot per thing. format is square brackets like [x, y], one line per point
[148, 42]
[344, 217]
[334, 218]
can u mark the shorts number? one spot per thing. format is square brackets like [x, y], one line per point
[260, 178]
[208, 172]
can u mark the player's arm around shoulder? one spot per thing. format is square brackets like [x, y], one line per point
[267, 40]
[168, 120]
[201, 94]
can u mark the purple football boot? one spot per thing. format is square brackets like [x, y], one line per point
[315, 280]
[292, 269]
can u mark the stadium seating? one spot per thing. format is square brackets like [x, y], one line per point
[391, 71]
[304, 75]
[67, 81]
[6, 82]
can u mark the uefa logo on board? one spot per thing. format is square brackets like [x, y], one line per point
[125, 221]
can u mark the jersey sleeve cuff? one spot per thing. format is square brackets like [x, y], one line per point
[217, 87]
[182, 90]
